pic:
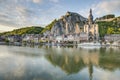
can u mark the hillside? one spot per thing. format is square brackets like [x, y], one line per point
[66, 24]
[109, 27]
[49, 26]
[108, 17]
[26, 30]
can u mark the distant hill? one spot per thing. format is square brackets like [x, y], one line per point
[108, 17]
[26, 30]
[109, 26]
[49, 26]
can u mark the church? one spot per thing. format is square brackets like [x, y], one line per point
[91, 28]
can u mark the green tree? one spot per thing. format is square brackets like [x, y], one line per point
[49, 26]
[26, 30]
[110, 30]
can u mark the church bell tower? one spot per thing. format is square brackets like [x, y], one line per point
[91, 28]
[90, 17]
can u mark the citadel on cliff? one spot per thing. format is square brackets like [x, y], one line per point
[74, 27]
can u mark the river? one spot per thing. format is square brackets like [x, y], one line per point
[59, 63]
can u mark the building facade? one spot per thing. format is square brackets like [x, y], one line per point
[112, 37]
[91, 28]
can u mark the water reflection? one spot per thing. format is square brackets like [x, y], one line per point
[72, 60]
[59, 63]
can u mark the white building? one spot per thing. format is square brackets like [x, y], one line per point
[112, 37]
[83, 36]
[59, 38]
[32, 38]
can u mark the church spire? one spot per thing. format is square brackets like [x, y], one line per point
[90, 18]
[90, 11]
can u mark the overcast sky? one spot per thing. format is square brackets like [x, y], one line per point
[21, 13]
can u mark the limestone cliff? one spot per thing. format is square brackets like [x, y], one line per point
[68, 24]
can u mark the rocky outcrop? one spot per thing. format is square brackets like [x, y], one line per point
[68, 24]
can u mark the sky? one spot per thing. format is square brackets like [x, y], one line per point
[16, 14]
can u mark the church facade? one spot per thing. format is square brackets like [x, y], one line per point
[91, 28]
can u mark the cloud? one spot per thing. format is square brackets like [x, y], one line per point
[53, 12]
[17, 14]
[27, 16]
[6, 28]
[37, 1]
[84, 12]
[107, 7]
[55, 1]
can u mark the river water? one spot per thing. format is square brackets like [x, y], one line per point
[59, 63]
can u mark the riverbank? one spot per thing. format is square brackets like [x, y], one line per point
[3, 43]
[55, 44]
